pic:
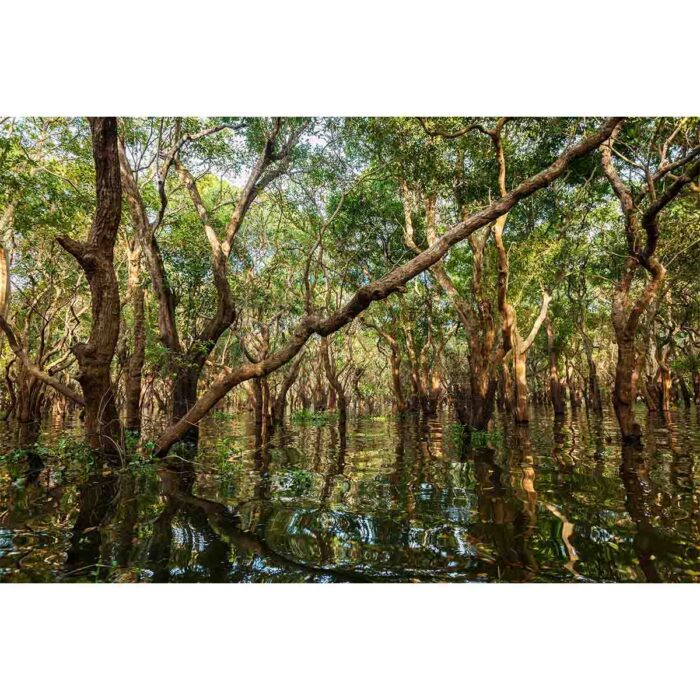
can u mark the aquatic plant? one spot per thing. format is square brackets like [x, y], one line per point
[305, 417]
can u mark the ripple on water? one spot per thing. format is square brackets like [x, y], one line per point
[397, 500]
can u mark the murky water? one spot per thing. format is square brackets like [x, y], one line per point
[393, 501]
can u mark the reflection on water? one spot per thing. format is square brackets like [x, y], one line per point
[391, 500]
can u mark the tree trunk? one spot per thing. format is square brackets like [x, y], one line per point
[664, 383]
[261, 409]
[96, 257]
[184, 396]
[135, 369]
[596, 401]
[625, 392]
[395, 359]
[280, 401]
[428, 403]
[574, 387]
[331, 375]
[28, 391]
[505, 390]
[685, 394]
[520, 388]
[555, 387]
[482, 399]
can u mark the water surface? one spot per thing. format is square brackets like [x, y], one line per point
[392, 500]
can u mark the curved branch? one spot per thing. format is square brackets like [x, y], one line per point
[379, 289]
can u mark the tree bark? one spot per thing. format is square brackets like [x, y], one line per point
[135, 368]
[332, 376]
[555, 388]
[664, 380]
[96, 257]
[685, 394]
[595, 398]
[280, 402]
[506, 390]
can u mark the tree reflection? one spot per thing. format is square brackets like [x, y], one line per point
[638, 499]
[96, 505]
[380, 501]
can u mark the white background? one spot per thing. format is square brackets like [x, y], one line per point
[349, 58]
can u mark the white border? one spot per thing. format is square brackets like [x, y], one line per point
[349, 641]
[368, 57]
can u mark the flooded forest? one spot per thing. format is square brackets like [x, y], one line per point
[411, 349]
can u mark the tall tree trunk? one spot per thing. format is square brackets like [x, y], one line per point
[188, 363]
[96, 257]
[138, 353]
[512, 342]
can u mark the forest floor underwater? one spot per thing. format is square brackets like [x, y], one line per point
[395, 499]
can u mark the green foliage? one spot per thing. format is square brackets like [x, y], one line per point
[296, 481]
[305, 417]
[71, 450]
[226, 450]
[220, 415]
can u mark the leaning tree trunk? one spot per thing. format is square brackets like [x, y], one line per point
[96, 257]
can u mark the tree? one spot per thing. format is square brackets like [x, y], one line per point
[658, 188]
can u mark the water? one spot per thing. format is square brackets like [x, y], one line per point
[395, 501]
